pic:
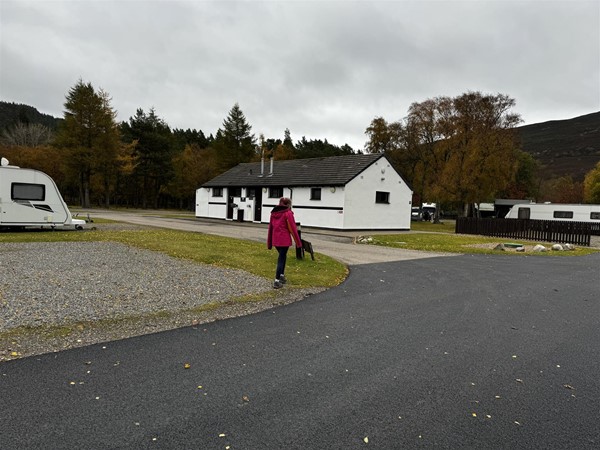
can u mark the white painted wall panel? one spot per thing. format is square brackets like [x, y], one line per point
[360, 209]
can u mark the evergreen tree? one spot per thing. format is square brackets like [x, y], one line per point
[234, 143]
[153, 152]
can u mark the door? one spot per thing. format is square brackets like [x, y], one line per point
[257, 204]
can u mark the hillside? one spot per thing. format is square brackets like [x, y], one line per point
[13, 113]
[564, 147]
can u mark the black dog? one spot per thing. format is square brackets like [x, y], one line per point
[307, 247]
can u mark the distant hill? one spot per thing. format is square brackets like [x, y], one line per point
[564, 147]
[13, 113]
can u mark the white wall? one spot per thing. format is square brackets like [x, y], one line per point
[205, 209]
[315, 213]
[360, 209]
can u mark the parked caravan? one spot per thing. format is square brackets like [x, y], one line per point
[555, 211]
[30, 198]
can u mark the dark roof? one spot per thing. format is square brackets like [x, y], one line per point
[326, 171]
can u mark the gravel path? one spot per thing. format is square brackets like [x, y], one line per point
[78, 285]
[58, 283]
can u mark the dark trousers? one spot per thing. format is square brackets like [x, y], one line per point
[281, 261]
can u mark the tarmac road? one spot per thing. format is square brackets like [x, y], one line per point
[468, 351]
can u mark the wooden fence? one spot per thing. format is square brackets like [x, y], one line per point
[559, 231]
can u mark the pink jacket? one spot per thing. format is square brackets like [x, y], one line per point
[282, 227]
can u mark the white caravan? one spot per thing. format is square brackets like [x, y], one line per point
[30, 198]
[555, 211]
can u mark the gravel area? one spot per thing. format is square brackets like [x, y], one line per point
[64, 293]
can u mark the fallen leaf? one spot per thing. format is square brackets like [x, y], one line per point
[246, 398]
[568, 386]
[517, 423]
[187, 366]
[474, 414]
[366, 439]
[222, 435]
[518, 380]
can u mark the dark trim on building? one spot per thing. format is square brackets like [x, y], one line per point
[329, 208]
[217, 203]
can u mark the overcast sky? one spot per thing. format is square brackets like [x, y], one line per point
[323, 69]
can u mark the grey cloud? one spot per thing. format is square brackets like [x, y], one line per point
[322, 69]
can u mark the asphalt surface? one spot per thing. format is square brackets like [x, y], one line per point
[487, 352]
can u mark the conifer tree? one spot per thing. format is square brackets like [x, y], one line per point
[89, 135]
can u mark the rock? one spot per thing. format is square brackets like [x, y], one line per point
[520, 249]
[500, 247]
[568, 247]
[557, 248]
[539, 248]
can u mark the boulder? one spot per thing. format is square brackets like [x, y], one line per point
[557, 248]
[520, 249]
[539, 248]
[568, 247]
[500, 247]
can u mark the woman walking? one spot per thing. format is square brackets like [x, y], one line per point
[282, 227]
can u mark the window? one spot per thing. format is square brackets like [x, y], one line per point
[275, 192]
[524, 213]
[235, 192]
[563, 214]
[315, 193]
[217, 192]
[595, 215]
[382, 197]
[27, 191]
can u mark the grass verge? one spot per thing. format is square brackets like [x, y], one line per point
[459, 243]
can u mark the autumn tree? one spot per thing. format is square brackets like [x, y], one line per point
[192, 168]
[459, 149]
[591, 185]
[562, 190]
[481, 150]
[90, 137]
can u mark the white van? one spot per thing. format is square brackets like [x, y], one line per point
[30, 198]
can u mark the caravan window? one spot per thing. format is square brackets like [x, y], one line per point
[27, 191]
[524, 213]
[595, 215]
[563, 214]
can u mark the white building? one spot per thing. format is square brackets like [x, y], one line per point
[350, 192]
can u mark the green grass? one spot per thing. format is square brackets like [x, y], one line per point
[460, 243]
